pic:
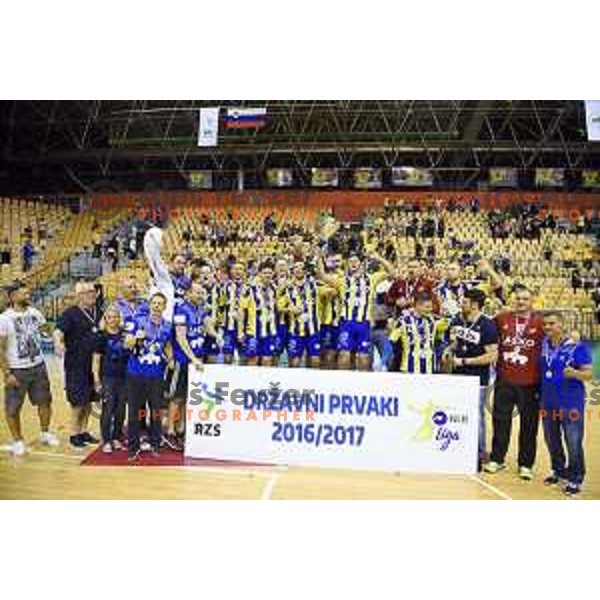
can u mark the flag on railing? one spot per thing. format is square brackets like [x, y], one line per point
[245, 118]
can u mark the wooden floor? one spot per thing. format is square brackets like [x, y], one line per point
[57, 473]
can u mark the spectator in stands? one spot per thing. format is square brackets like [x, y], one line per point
[75, 339]
[28, 253]
[96, 246]
[596, 299]
[100, 300]
[5, 253]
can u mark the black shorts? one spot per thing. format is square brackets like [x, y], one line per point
[34, 383]
[177, 383]
[79, 388]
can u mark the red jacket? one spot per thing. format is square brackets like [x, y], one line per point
[402, 288]
[519, 347]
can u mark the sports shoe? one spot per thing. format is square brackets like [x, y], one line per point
[116, 445]
[525, 473]
[134, 456]
[107, 448]
[77, 441]
[49, 439]
[145, 447]
[171, 441]
[493, 467]
[18, 448]
[552, 479]
[571, 489]
[88, 438]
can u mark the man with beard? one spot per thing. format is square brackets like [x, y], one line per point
[451, 291]
[520, 335]
[23, 367]
[472, 350]
[402, 293]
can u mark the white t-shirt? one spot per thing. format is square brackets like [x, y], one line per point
[22, 328]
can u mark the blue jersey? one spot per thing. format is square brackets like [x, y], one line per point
[193, 318]
[148, 358]
[559, 391]
[181, 283]
[129, 311]
[115, 355]
[451, 296]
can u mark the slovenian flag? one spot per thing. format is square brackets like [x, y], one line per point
[245, 118]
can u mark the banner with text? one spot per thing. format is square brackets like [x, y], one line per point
[200, 180]
[324, 177]
[411, 176]
[592, 119]
[208, 128]
[280, 177]
[503, 176]
[375, 421]
[366, 178]
[549, 177]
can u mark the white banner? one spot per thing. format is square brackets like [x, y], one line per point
[208, 130]
[592, 117]
[341, 419]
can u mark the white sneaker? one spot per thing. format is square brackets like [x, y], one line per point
[18, 448]
[145, 447]
[107, 448]
[49, 439]
[493, 467]
[525, 473]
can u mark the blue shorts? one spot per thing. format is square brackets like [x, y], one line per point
[230, 342]
[355, 337]
[329, 337]
[266, 346]
[298, 345]
[282, 337]
[211, 348]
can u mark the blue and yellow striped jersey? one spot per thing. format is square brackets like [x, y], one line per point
[307, 299]
[419, 338]
[260, 311]
[213, 303]
[231, 295]
[357, 294]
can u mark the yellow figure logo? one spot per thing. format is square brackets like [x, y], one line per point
[431, 416]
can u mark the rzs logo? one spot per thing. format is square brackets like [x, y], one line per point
[515, 341]
[208, 429]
